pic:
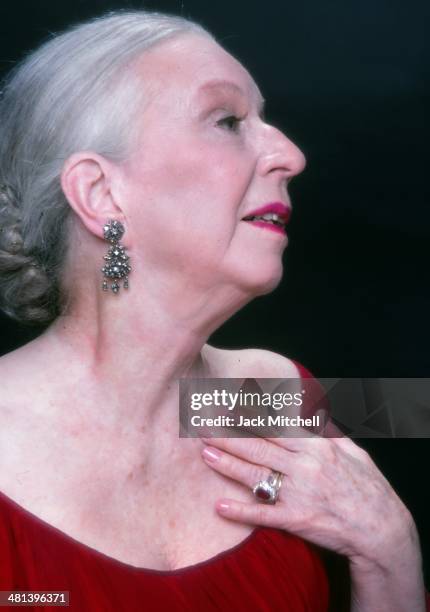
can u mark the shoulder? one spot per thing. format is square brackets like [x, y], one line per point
[15, 395]
[21, 406]
[251, 362]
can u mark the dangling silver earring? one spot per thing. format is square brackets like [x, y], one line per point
[117, 266]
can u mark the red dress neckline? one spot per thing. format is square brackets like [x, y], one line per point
[89, 550]
[97, 554]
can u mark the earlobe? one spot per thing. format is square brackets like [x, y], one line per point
[86, 183]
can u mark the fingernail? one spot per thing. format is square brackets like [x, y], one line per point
[223, 506]
[211, 454]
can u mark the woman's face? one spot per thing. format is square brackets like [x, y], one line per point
[204, 159]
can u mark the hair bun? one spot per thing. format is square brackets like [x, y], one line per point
[9, 209]
[7, 196]
[10, 235]
[24, 284]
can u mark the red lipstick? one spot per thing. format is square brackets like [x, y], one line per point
[273, 216]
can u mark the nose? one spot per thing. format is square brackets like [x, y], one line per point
[280, 154]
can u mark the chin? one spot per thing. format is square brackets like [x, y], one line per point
[262, 281]
[270, 286]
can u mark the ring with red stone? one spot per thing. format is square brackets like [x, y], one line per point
[266, 491]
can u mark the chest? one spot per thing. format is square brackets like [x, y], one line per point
[162, 524]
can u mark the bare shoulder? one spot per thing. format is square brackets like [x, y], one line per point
[17, 382]
[13, 421]
[22, 391]
[249, 362]
[12, 384]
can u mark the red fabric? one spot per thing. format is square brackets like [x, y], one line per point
[315, 400]
[270, 571]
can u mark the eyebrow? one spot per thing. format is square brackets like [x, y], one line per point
[223, 84]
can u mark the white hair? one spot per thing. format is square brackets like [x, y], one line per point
[73, 93]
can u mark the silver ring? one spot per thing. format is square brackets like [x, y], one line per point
[266, 491]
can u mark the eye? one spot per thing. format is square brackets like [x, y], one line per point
[231, 123]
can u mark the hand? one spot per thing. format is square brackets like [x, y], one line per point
[332, 494]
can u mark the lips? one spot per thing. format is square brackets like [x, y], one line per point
[276, 215]
[278, 208]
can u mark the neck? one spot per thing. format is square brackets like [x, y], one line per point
[125, 353]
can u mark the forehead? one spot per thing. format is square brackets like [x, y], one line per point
[195, 67]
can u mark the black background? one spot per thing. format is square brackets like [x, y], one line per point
[349, 83]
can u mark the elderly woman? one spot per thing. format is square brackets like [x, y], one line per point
[133, 147]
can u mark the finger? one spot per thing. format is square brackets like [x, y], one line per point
[242, 471]
[330, 430]
[350, 447]
[297, 438]
[255, 450]
[254, 514]
[318, 445]
[342, 441]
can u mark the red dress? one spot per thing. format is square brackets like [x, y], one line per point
[271, 571]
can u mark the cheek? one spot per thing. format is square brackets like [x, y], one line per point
[195, 186]
[186, 197]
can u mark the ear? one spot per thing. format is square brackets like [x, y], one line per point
[86, 180]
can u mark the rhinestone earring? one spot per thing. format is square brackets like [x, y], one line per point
[117, 261]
